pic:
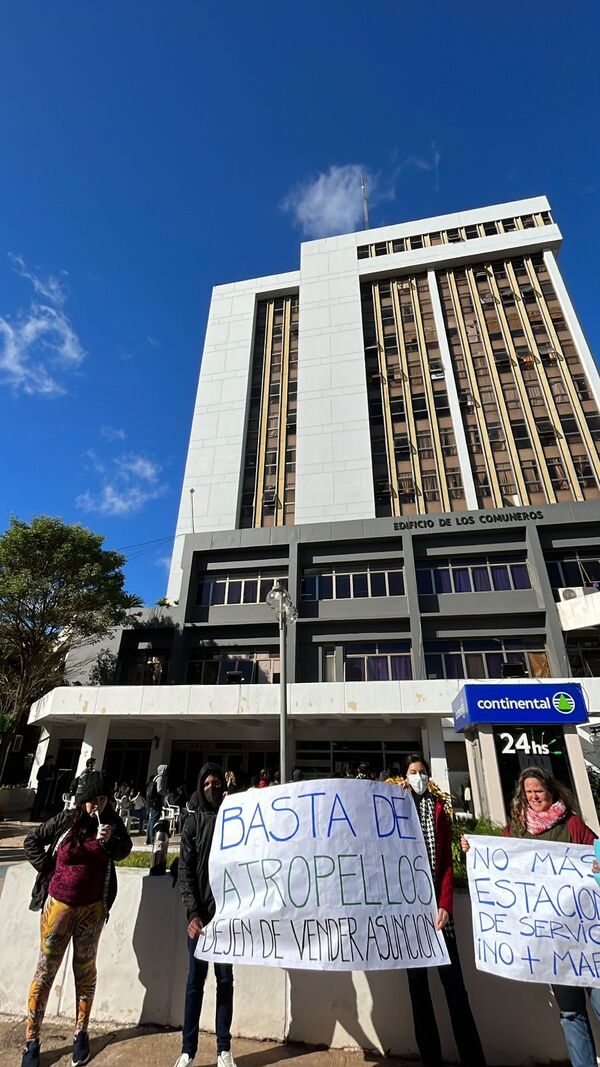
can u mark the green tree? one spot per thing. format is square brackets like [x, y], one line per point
[59, 590]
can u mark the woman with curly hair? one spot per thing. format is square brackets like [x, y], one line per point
[543, 809]
[74, 856]
[435, 824]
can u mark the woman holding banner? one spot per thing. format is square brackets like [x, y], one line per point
[435, 824]
[542, 809]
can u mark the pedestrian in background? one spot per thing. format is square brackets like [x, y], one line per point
[156, 795]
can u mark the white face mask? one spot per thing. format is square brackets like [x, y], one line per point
[418, 782]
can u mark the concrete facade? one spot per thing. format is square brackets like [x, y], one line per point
[142, 964]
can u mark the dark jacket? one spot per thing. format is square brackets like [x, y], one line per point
[87, 777]
[41, 846]
[196, 839]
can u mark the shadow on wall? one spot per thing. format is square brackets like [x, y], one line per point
[160, 951]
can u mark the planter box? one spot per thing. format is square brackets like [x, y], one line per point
[16, 801]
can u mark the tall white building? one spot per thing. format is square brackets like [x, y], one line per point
[405, 431]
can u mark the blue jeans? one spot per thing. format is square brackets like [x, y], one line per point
[153, 817]
[194, 993]
[575, 1022]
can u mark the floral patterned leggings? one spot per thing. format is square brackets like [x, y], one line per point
[60, 923]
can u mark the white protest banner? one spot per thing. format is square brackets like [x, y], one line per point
[329, 875]
[536, 910]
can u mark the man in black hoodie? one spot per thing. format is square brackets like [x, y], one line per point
[196, 839]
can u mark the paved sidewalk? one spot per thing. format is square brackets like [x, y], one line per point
[154, 1047]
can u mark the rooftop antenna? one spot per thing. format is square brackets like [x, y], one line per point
[363, 189]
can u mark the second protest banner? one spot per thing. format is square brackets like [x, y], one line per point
[329, 875]
[536, 910]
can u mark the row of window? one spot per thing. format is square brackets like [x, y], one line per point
[480, 575]
[477, 574]
[352, 585]
[234, 588]
[375, 661]
[453, 236]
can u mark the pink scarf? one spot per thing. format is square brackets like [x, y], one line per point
[537, 822]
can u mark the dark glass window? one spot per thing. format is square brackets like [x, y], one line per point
[342, 586]
[378, 583]
[360, 586]
[396, 583]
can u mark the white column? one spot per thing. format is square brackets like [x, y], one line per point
[474, 777]
[437, 753]
[491, 774]
[453, 403]
[580, 778]
[94, 742]
[41, 753]
[583, 349]
[161, 748]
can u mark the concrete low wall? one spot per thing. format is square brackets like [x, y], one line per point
[142, 965]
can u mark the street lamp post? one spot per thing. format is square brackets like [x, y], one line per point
[280, 602]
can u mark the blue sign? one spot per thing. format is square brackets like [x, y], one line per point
[526, 703]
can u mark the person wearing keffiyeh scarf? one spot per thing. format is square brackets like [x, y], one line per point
[542, 809]
[432, 807]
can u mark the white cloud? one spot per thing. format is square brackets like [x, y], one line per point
[51, 288]
[136, 466]
[331, 203]
[112, 433]
[118, 501]
[164, 562]
[328, 203]
[38, 346]
[153, 341]
[130, 481]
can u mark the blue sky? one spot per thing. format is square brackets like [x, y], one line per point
[151, 150]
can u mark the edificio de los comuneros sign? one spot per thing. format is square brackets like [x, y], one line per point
[463, 519]
[525, 703]
[536, 910]
[328, 875]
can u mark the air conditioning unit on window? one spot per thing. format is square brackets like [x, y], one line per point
[270, 498]
[572, 592]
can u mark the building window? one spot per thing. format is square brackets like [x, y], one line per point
[577, 568]
[491, 657]
[345, 584]
[226, 666]
[236, 588]
[482, 574]
[584, 656]
[379, 661]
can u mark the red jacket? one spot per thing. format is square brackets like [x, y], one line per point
[444, 872]
[579, 833]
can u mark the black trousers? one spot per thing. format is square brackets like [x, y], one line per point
[461, 1016]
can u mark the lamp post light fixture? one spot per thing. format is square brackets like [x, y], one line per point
[280, 602]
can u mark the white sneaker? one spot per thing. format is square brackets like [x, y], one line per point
[184, 1060]
[225, 1059]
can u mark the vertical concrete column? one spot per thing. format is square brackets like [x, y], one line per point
[555, 643]
[491, 775]
[94, 742]
[161, 748]
[41, 753]
[580, 778]
[475, 779]
[437, 752]
[453, 402]
[583, 349]
[412, 597]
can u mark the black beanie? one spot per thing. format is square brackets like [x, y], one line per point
[97, 785]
